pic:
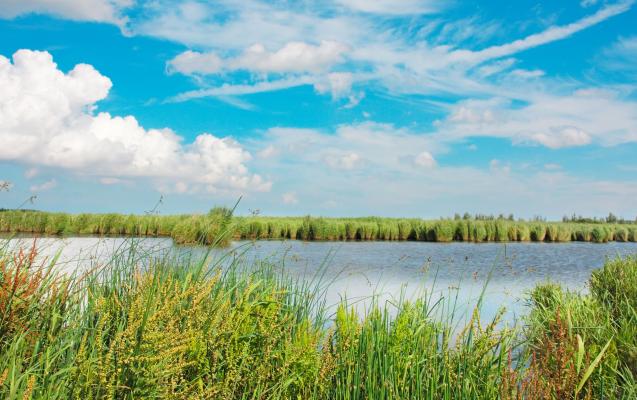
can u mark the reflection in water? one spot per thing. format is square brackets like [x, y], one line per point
[388, 270]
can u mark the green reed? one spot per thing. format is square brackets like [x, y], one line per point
[153, 325]
[205, 228]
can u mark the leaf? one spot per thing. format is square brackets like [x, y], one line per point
[580, 353]
[592, 367]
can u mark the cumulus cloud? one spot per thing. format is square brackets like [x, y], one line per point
[109, 11]
[48, 118]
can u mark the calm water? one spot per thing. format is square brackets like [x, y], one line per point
[358, 270]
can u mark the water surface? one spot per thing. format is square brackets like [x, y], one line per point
[387, 270]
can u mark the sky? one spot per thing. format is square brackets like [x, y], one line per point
[405, 108]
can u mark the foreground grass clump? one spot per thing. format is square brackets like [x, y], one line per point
[152, 326]
[568, 331]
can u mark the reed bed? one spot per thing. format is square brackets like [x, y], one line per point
[206, 228]
[167, 327]
[444, 230]
[183, 229]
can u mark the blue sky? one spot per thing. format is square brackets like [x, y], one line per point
[416, 108]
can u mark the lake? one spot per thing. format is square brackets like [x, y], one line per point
[387, 270]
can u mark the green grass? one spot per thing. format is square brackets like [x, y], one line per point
[184, 229]
[206, 229]
[152, 326]
[604, 320]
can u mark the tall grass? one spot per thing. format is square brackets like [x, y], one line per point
[184, 229]
[152, 326]
[206, 228]
[567, 331]
[444, 230]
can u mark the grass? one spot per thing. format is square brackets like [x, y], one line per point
[184, 229]
[165, 327]
[206, 229]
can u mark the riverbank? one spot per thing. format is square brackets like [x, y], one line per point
[177, 329]
[219, 226]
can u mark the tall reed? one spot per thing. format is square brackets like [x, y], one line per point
[148, 325]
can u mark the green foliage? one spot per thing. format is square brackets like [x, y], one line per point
[176, 329]
[205, 229]
[600, 329]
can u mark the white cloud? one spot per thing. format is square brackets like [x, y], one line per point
[293, 57]
[527, 74]
[389, 168]
[109, 11]
[111, 181]
[192, 62]
[48, 185]
[290, 198]
[298, 57]
[621, 56]
[567, 136]
[550, 35]
[244, 89]
[497, 166]
[338, 84]
[588, 3]
[424, 61]
[368, 147]
[47, 119]
[576, 119]
[348, 160]
[393, 7]
[268, 152]
[302, 62]
[425, 159]
[552, 166]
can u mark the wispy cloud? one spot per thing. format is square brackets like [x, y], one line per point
[109, 11]
[44, 186]
[549, 35]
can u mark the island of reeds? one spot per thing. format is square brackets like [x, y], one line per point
[205, 228]
[147, 327]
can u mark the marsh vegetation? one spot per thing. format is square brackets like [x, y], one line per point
[144, 326]
[207, 228]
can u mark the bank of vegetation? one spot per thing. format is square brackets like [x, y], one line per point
[206, 228]
[145, 326]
